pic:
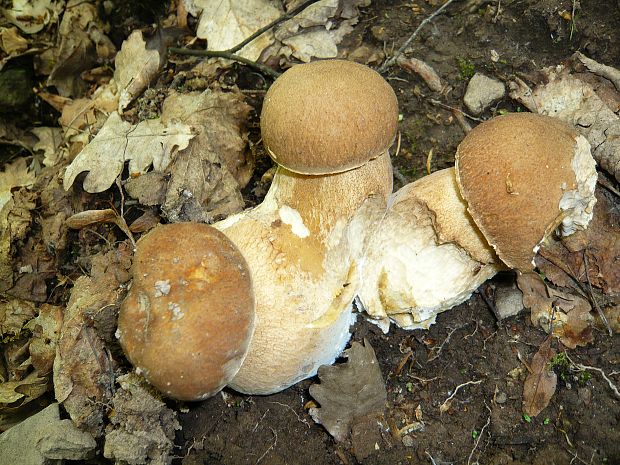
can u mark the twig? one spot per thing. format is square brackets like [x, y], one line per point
[388, 63]
[231, 54]
[262, 30]
[224, 54]
[488, 422]
[591, 292]
[443, 407]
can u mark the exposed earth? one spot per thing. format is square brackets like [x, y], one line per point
[468, 346]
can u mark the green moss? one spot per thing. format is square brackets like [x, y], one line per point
[466, 68]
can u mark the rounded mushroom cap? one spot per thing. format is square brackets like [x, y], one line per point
[328, 116]
[523, 175]
[187, 321]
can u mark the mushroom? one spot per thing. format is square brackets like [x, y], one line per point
[524, 175]
[425, 254]
[188, 319]
[328, 124]
[518, 178]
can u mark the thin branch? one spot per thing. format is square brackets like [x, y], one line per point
[599, 310]
[231, 54]
[388, 63]
[488, 422]
[275, 22]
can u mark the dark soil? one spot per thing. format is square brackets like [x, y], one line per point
[485, 423]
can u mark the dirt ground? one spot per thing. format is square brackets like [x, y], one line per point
[485, 423]
[468, 346]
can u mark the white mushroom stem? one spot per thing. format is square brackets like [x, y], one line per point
[303, 265]
[425, 254]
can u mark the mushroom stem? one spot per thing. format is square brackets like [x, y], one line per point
[425, 254]
[303, 264]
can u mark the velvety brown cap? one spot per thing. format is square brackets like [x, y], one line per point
[513, 170]
[187, 321]
[328, 116]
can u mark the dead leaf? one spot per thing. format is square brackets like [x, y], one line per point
[541, 382]
[45, 329]
[49, 143]
[17, 393]
[83, 367]
[136, 66]
[14, 314]
[145, 144]
[226, 23]
[142, 427]
[205, 178]
[31, 16]
[222, 117]
[349, 392]
[11, 42]
[567, 315]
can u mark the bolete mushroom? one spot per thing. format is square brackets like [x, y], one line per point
[523, 176]
[424, 255]
[332, 122]
[188, 319]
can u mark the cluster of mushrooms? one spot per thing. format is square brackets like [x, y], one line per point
[263, 298]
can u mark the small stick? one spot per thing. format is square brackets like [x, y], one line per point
[611, 384]
[591, 292]
[388, 63]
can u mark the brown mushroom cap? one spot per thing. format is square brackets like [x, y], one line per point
[187, 321]
[328, 116]
[513, 170]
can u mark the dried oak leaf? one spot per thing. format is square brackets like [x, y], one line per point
[349, 392]
[17, 393]
[45, 329]
[83, 367]
[142, 427]
[541, 382]
[137, 64]
[31, 16]
[205, 177]
[145, 144]
[317, 31]
[226, 23]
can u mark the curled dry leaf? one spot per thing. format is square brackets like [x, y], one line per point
[11, 42]
[349, 392]
[541, 382]
[141, 428]
[136, 66]
[566, 315]
[31, 16]
[145, 144]
[588, 100]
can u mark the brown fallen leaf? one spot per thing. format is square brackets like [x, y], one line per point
[566, 315]
[83, 367]
[349, 392]
[541, 382]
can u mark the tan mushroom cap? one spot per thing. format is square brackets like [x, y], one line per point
[187, 321]
[513, 171]
[328, 116]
